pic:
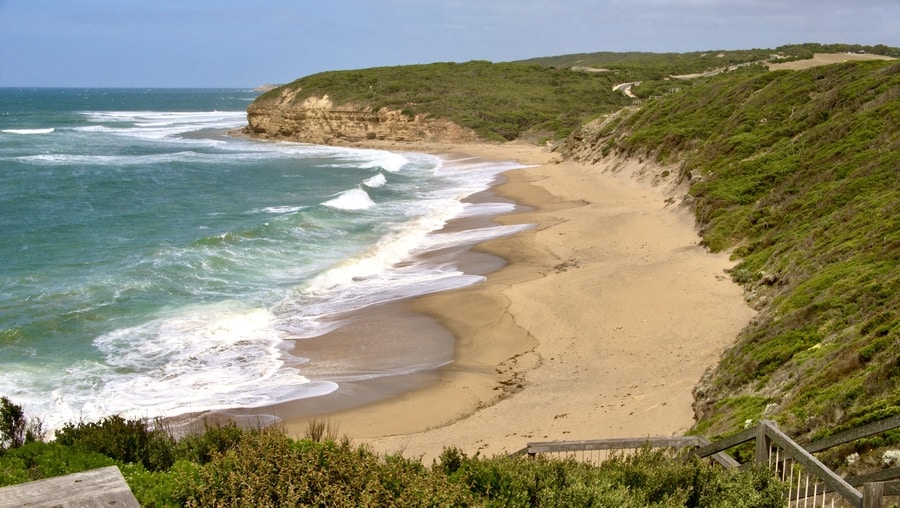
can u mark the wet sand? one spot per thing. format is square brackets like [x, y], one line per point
[606, 314]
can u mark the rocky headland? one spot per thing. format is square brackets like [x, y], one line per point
[317, 120]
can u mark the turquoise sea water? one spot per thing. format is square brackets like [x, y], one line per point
[152, 265]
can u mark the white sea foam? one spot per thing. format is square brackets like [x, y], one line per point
[155, 125]
[28, 131]
[208, 357]
[351, 200]
[385, 272]
[278, 209]
[118, 160]
[439, 241]
[213, 356]
[390, 250]
[156, 158]
[391, 162]
[375, 181]
[489, 209]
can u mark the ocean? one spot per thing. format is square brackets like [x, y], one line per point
[154, 265]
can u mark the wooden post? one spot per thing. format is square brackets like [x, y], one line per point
[873, 494]
[762, 443]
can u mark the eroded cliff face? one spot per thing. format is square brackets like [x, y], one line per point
[317, 120]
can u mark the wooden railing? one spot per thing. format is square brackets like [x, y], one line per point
[811, 482]
[596, 451]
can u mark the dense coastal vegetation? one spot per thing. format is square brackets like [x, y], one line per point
[799, 173]
[796, 172]
[638, 65]
[229, 466]
[499, 101]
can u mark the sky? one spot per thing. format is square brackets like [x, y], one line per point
[246, 43]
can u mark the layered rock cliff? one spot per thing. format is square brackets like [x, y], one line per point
[317, 120]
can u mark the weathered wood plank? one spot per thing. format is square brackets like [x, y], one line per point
[878, 476]
[721, 457]
[519, 453]
[853, 434]
[762, 442]
[726, 443]
[97, 488]
[612, 444]
[891, 489]
[812, 464]
[873, 493]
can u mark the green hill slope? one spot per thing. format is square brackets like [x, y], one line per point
[536, 99]
[500, 101]
[799, 173]
[640, 65]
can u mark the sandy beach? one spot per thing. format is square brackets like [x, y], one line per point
[604, 318]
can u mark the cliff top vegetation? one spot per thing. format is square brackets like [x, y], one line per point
[538, 99]
[499, 101]
[798, 173]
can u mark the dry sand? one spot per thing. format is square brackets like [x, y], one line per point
[606, 316]
[825, 59]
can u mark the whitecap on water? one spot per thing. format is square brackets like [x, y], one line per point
[29, 131]
[160, 124]
[210, 357]
[375, 181]
[351, 200]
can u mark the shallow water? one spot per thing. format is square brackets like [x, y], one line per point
[154, 265]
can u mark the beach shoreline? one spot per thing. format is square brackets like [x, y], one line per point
[604, 317]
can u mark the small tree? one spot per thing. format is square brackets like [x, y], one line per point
[15, 429]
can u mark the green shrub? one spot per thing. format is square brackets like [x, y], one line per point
[37, 460]
[162, 488]
[646, 478]
[128, 441]
[268, 469]
[15, 428]
[201, 447]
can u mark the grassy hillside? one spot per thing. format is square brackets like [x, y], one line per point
[639, 65]
[500, 101]
[636, 66]
[799, 173]
[537, 99]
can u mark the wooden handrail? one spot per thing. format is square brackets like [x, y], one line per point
[726, 443]
[892, 488]
[878, 476]
[719, 456]
[765, 434]
[853, 434]
[611, 444]
[812, 464]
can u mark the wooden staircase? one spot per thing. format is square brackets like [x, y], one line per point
[811, 483]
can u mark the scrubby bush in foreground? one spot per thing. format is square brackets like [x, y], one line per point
[230, 466]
